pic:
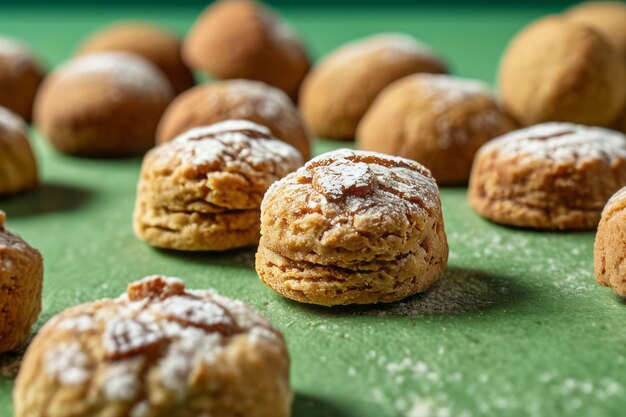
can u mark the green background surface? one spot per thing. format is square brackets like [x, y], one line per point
[516, 327]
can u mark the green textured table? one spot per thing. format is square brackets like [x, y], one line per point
[517, 326]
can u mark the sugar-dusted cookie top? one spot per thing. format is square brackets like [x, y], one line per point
[156, 346]
[236, 99]
[350, 206]
[561, 143]
[123, 70]
[235, 162]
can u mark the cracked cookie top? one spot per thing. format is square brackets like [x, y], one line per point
[351, 206]
[156, 341]
[563, 143]
[228, 165]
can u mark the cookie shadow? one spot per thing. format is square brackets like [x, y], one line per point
[308, 406]
[235, 258]
[10, 361]
[47, 198]
[458, 291]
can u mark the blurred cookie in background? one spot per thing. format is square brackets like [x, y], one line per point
[437, 120]
[341, 87]
[157, 45]
[20, 77]
[245, 39]
[557, 69]
[103, 105]
[18, 166]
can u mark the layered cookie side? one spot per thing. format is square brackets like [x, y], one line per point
[203, 190]
[352, 227]
[18, 166]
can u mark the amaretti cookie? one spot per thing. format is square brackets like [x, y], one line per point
[561, 70]
[548, 176]
[18, 167]
[352, 227]
[21, 281]
[20, 76]
[103, 105]
[157, 45]
[236, 99]
[607, 17]
[338, 91]
[439, 121]
[609, 251]
[244, 39]
[158, 350]
[203, 190]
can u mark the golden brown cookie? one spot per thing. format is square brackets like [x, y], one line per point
[561, 70]
[157, 45]
[244, 39]
[21, 280]
[548, 176]
[203, 190]
[352, 227]
[18, 167]
[439, 121]
[607, 17]
[20, 76]
[338, 91]
[158, 350]
[236, 99]
[103, 105]
[609, 249]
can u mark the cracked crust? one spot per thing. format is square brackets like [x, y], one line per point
[437, 120]
[18, 167]
[21, 280]
[338, 91]
[158, 350]
[244, 39]
[203, 190]
[549, 176]
[610, 245]
[236, 99]
[352, 213]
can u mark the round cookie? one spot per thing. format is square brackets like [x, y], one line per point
[244, 39]
[560, 70]
[203, 190]
[20, 76]
[439, 121]
[158, 350]
[607, 17]
[21, 281]
[18, 167]
[609, 249]
[236, 99]
[338, 91]
[352, 227]
[548, 176]
[103, 105]
[157, 45]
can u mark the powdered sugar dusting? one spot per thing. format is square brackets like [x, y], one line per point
[179, 331]
[230, 144]
[68, 363]
[393, 46]
[15, 55]
[11, 122]
[560, 142]
[124, 70]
